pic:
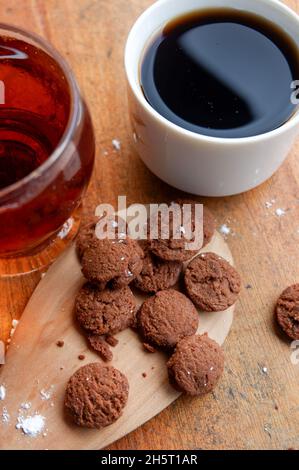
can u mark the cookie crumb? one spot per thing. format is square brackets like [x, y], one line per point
[111, 340]
[60, 344]
[99, 345]
[149, 348]
[81, 357]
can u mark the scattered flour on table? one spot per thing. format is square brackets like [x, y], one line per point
[2, 392]
[116, 144]
[280, 212]
[225, 230]
[46, 394]
[25, 406]
[268, 430]
[31, 425]
[5, 415]
[269, 204]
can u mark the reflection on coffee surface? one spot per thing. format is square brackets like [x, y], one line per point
[222, 73]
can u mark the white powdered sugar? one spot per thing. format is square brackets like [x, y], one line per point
[25, 406]
[280, 212]
[225, 230]
[46, 394]
[116, 144]
[14, 325]
[269, 204]
[5, 416]
[2, 392]
[31, 425]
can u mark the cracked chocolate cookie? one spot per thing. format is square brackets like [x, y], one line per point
[156, 274]
[112, 262]
[105, 311]
[196, 365]
[175, 246]
[212, 283]
[96, 395]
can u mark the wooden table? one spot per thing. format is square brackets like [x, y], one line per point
[257, 402]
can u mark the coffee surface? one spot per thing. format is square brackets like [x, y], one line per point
[222, 73]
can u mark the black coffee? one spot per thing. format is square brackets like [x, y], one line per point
[222, 73]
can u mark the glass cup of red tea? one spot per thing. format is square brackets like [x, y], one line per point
[47, 149]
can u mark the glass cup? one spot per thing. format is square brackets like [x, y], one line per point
[39, 213]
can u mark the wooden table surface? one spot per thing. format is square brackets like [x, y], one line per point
[256, 406]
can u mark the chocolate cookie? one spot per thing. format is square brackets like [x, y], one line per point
[212, 283]
[113, 262]
[87, 236]
[287, 311]
[166, 318]
[105, 311]
[196, 365]
[96, 395]
[175, 247]
[156, 274]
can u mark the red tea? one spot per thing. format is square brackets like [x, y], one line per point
[35, 111]
[34, 115]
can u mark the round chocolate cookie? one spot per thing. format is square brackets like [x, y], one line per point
[96, 395]
[105, 311]
[175, 247]
[196, 365]
[287, 311]
[166, 318]
[212, 283]
[86, 238]
[113, 262]
[156, 274]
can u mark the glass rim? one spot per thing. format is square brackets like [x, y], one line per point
[75, 101]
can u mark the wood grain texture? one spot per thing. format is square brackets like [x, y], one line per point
[251, 409]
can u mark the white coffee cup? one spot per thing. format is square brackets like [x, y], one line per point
[195, 163]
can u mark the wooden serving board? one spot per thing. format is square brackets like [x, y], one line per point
[35, 363]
